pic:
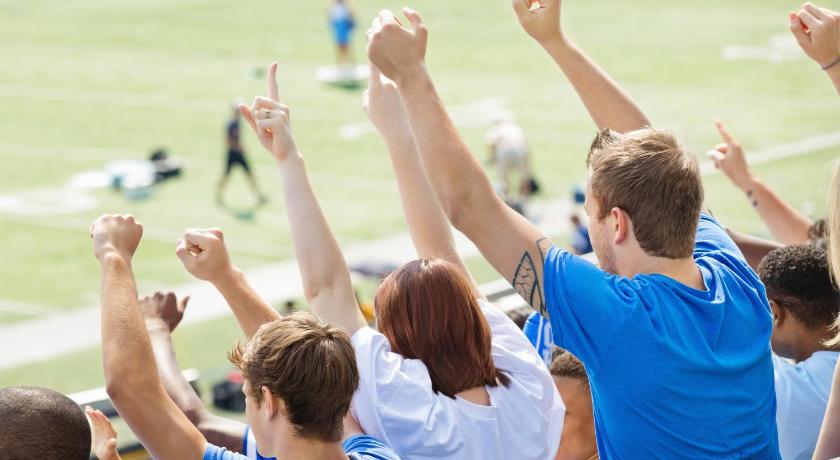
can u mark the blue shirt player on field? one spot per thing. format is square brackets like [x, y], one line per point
[342, 23]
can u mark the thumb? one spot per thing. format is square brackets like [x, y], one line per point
[182, 304]
[796, 29]
[184, 254]
[375, 76]
[416, 21]
[248, 116]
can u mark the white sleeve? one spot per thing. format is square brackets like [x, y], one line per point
[396, 404]
[512, 351]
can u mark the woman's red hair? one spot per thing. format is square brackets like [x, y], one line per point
[428, 311]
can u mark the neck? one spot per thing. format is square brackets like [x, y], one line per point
[308, 449]
[683, 270]
[809, 343]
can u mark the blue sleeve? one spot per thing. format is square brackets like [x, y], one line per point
[538, 331]
[711, 237]
[366, 447]
[586, 306]
[220, 453]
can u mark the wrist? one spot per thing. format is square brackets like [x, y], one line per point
[830, 63]
[746, 183]
[413, 78]
[113, 257]
[228, 279]
[157, 326]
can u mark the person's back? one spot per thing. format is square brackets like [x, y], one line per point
[692, 367]
[401, 402]
[675, 370]
[41, 423]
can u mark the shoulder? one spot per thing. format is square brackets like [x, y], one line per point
[220, 453]
[364, 447]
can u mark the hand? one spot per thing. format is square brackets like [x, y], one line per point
[204, 254]
[396, 51]
[104, 438]
[383, 106]
[270, 120]
[164, 307]
[729, 158]
[818, 32]
[540, 19]
[115, 234]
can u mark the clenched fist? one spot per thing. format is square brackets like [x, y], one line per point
[539, 18]
[116, 234]
[270, 120]
[398, 52]
[204, 254]
[817, 30]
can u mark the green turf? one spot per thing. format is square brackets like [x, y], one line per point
[86, 82]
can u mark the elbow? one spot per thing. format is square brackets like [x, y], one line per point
[115, 387]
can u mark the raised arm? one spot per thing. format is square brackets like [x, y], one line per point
[326, 278]
[507, 240]
[205, 256]
[817, 30]
[163, 312]
[787, 225]
[754, 249]
[427, 223]
[131, 377]
[608, 105]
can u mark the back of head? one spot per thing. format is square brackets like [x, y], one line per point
[565, 364]
[41, 423]
[309, 365]
[797, 278]
[428, 311]
[647, 174]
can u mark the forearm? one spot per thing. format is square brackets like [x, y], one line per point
[754, 249]
[786, 224]
[828, 443]
[127, 357]
[250, 309]
[131, 377]
[608, 105]
[171, 376]
[324, 272]
[456, 177]
[427, 223]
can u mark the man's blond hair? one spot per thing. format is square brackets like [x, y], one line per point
[648, 175]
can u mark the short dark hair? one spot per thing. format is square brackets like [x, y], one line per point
[647, 174]
[797, 278]
[565, 364]
[309, 365]
[42, 423]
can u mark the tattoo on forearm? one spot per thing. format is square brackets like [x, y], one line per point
[526, 280]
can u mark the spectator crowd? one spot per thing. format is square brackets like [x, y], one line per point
[687, 339]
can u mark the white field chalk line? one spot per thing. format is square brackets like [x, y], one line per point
[208, 304]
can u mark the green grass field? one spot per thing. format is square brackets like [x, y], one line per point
[84, 82]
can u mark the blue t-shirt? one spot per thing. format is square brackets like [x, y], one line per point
[357, 447]
[674, 372]
[538, 331]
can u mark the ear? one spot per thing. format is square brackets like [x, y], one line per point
[269, 405]
[779, 314]
[622, 224]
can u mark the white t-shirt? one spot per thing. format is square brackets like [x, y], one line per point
[801, 397]
[395, 402]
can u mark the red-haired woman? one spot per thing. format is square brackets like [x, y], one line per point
[447, 375]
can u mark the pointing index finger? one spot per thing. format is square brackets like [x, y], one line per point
[272, 82]
[724, 133]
